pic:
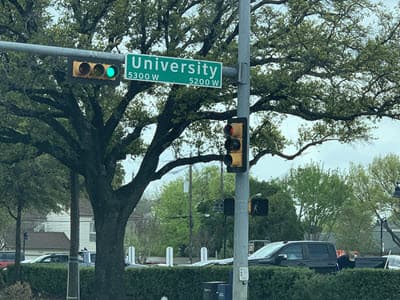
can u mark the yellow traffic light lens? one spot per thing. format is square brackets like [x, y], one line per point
[98, 70]
[111, 72]
[84, 68]
[232, 144]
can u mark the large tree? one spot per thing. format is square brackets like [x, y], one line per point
[373, 187]
[319, 195]
[29, 181]
[282, 223]
[210, 228]
[173, 213]
[318, 60]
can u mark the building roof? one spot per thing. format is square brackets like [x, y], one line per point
[44, 241]
[85, 207]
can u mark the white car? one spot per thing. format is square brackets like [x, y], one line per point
[48, 258]
[393, 262]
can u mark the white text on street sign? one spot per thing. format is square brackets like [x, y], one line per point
[173, 70]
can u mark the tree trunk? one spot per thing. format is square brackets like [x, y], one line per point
[110, 258]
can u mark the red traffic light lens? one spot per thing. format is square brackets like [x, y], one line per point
[228, 130]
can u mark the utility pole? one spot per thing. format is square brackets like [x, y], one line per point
[73, 264]
[190, 215]
[222, 201]
[241, 227]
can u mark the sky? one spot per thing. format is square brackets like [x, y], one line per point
[334, 155]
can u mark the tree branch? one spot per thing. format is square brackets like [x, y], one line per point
[292, 156]
[185, 161]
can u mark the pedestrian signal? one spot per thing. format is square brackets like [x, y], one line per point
[258, 207]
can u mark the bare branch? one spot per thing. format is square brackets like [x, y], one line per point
[185, 161]
[292, 156]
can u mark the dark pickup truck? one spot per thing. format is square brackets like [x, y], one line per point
[317, 255]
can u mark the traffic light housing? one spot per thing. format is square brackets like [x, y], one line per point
[229, 206]
[236, 145]
[258, 207]
[93, 71]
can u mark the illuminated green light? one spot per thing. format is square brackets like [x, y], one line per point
[111, 72]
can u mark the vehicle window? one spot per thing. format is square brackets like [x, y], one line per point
[47, 260]
[267, 251]
[318, 251]
[7, 256]
[293, 252]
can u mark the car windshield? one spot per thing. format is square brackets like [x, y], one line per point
[38, 259]
[266, 251]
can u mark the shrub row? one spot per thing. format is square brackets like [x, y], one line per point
[265, 282]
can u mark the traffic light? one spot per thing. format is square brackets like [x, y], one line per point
[236, 145]
[258, 207]
[229, 206]
[94, 71]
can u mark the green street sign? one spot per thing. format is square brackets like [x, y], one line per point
[173, 70]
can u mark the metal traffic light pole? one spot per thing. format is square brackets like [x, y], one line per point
[89, 54]
[241, 225]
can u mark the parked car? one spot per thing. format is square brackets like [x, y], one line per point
[375, 262]
[317, 255]
[8, 258]
[62, 258]
[393, 261]
[133, 266]
[49, 258]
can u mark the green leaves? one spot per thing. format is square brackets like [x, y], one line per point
[318, 195]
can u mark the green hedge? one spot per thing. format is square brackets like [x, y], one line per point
[265, 282]
[48, 279]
